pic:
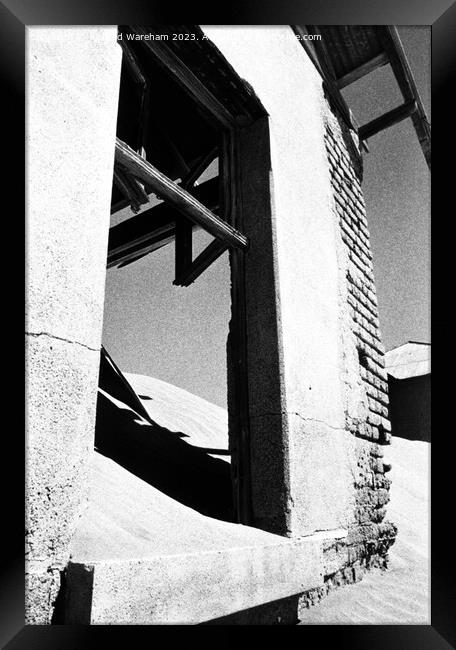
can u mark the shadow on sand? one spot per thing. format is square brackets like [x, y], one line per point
[163, 459]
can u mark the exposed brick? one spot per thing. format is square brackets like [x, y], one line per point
[369, 537]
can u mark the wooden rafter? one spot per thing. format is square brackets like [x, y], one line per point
[387, 119]
[153, 243]
[390, 40]
[383, 47]
[185, 268]
[154, 227]
[201, 263]
[200, 166]
[178, 197]
[175, 67]
[362, 70]
[134, 67]
[130, 188]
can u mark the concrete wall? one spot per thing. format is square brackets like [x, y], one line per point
[191, 588]
[317, 385]
[308, 418]
[72, 93]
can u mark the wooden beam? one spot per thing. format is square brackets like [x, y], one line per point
[130, 188]
[168, 59]
[201, 165]
[127, 395]
[132, 259]
[135, 252]
[163, 228]
[390, 40]
[155, 224]
[178, 197]
[320, 58]
[201, 263]
[362, 70]
[388, 119]
[183, 247]
[140, 78]
[322, 53]
[230, 175]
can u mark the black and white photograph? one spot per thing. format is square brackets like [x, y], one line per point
[228, 347]
[228, 325]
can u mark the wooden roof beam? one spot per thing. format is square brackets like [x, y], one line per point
[168, 59]
[387, 119]
[155, 223]
[390, 40]
[201, 263]
[176, 196]
[132, 190]
[362, 70]
[137, 250]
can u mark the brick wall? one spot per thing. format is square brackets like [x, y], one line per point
[346, 176]
[369, 534]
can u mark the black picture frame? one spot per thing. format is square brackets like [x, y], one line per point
[15, 16]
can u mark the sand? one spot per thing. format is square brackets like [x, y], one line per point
[401, 594]
[128, 517]
[204, 423]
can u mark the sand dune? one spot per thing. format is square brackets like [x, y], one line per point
[205, 424]
[128, 515]
[400, 595]
[131, 514]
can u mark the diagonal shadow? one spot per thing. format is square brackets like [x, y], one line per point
[161, 458]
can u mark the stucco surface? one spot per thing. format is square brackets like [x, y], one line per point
[42, 584]
[400, 595]
[195, 588]
[146, 558]
[304, 251]
[60, 421]
[71, 108]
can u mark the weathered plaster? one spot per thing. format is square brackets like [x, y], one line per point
[192, 588]
[307, 280]
[72, 89]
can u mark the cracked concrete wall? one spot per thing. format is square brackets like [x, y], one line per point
[302, 456]
[308, 321]
[71, 111]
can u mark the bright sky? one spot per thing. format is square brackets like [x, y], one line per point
[179, 334]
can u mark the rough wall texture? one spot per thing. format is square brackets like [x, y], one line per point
[301, 458]
[329, 417]
[72, 90]
[363, 372]
[345, 166]
[317, 386]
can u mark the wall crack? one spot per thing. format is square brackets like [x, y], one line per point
[61, 338]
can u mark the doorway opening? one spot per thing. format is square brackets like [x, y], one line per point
[173, 196]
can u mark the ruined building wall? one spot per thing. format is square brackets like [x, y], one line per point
[317, 387]
[71, 119]
[328, 419]
[301, 454]
[366, 403]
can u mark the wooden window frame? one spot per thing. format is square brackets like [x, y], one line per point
[131, 167]
[227, 231]
[180, 199]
